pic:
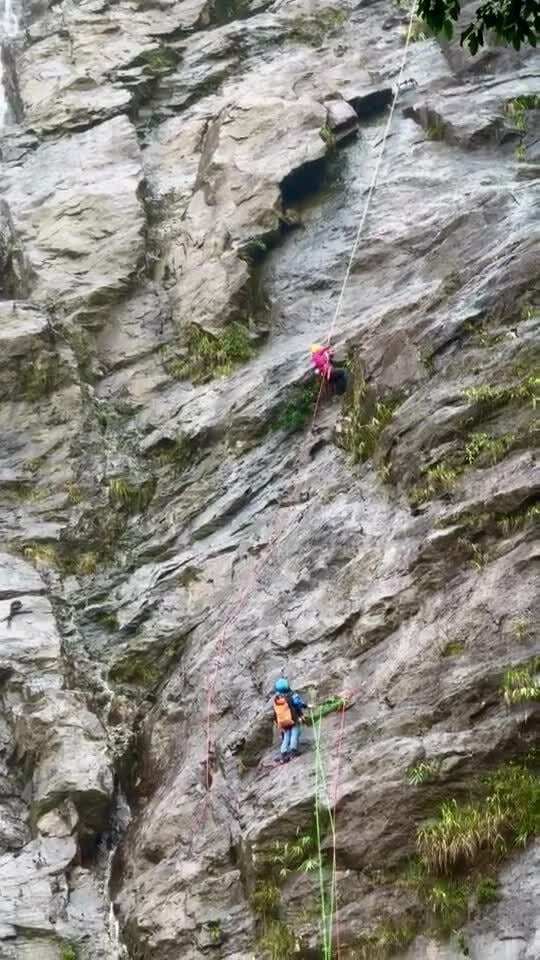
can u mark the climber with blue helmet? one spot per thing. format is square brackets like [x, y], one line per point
[288, 712]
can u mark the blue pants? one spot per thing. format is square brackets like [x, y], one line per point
[290, 739]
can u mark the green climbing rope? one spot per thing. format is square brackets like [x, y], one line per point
[322, 802]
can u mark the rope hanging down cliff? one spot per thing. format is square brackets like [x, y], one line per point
[275, 540]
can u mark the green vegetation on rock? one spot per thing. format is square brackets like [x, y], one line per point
[330, 705]
[312, 29]
[506, 816]
[69, 952]
[209, 355]
[38, 378]
[522, 684]
[177, 454]
[491, 398]
[130, 497]
[298, 409]
[424, 772]
[514, 23]
[383, 940]
[364, 417]
[487, 890]
[135, 670]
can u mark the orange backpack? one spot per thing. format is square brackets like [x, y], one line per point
[283, 712]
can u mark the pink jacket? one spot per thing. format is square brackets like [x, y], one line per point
[322, 362]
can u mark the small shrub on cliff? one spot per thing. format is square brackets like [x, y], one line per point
[209, 355]
[508, 815]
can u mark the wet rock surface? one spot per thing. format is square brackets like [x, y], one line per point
[181, 196]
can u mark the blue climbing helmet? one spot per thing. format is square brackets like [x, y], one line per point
[282, 685]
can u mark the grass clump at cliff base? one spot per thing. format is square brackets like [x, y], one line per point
[209, 355]
[507, 816]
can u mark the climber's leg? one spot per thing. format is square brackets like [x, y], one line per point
[338, 380]
[295, 739]
[286, 741]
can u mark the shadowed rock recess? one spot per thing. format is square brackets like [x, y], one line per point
[181, 187]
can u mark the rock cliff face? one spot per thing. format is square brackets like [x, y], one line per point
[182, 185]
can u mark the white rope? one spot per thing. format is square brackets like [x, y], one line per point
[375, 176]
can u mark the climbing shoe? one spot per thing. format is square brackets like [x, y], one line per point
[283, 758]
[293, 754]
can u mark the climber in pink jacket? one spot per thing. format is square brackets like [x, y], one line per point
[321, 361]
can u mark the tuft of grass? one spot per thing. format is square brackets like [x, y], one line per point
[383, 940]
[135, 671]
[512, 522]
[491, 398]
[437, 481]
[364, 418]
[476, 556]
[518, 108]
[487, 891]
[485, 446]
[107, 619]
[328, 137]
[436, 130]
[278, 940]
[86, 563]
[448, 901]
[177, 453]
[74, 492]
[215, 931]
[423, 772]
[454, 648]
[210, 355]
[41, 554]
[520, 628]
[330, 705]
[130, 497]
[508, 815]
[313, 29]
[39, 378]
[266, 899]
[522, 684]
[481, 335]
[297, 410]
[69, 952]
